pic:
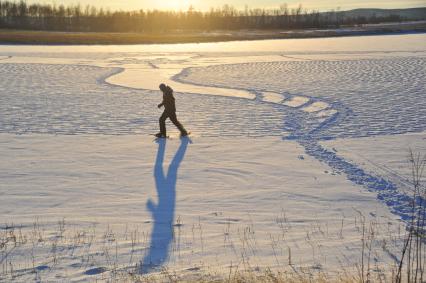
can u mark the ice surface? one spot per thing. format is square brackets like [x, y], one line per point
[379, 43]
[315, 107]
[296, 101]
[272, 97]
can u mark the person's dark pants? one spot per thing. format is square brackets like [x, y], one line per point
[173, 118]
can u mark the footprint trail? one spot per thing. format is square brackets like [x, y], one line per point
[317, 116]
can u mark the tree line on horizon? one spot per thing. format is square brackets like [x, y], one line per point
[20, 15]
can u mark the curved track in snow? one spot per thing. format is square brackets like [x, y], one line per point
[298, 100]
[333, 99]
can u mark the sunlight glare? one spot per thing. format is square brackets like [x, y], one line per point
[179, 5]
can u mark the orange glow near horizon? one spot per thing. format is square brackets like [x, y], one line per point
[205, 5]
[178, 5]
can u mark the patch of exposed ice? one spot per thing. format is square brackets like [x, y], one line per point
[326, 113]
[296, 101]
[272, 97]
[404, 42]
[151, 78]
[315, 107]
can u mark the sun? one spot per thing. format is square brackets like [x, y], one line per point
[179, 5]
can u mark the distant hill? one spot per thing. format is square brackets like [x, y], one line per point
[406, 14]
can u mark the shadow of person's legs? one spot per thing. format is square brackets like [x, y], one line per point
[163, 212]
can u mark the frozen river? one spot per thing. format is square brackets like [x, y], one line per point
[372, 85]
[291, 138]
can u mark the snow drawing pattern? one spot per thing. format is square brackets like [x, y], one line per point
[72, 99]
[372, 97]
[383, 96]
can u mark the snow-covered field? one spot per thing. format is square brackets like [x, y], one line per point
[297, 145]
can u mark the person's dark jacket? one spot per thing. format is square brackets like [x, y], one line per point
[168, 100]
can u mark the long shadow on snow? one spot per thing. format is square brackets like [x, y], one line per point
[164, 211]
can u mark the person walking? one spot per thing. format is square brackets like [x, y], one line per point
[169, 112]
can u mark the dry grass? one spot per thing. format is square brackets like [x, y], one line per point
[46, 249]
[49, 37]
[113, 255]
[91, 38]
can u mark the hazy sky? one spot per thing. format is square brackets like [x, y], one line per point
[206, 4]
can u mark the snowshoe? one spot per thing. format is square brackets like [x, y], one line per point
[160, 136]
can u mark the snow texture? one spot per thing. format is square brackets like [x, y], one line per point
[56, 106]
[349, 99]
[372, 96]
[68, 127]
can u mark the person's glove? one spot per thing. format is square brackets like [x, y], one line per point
[159, 105]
